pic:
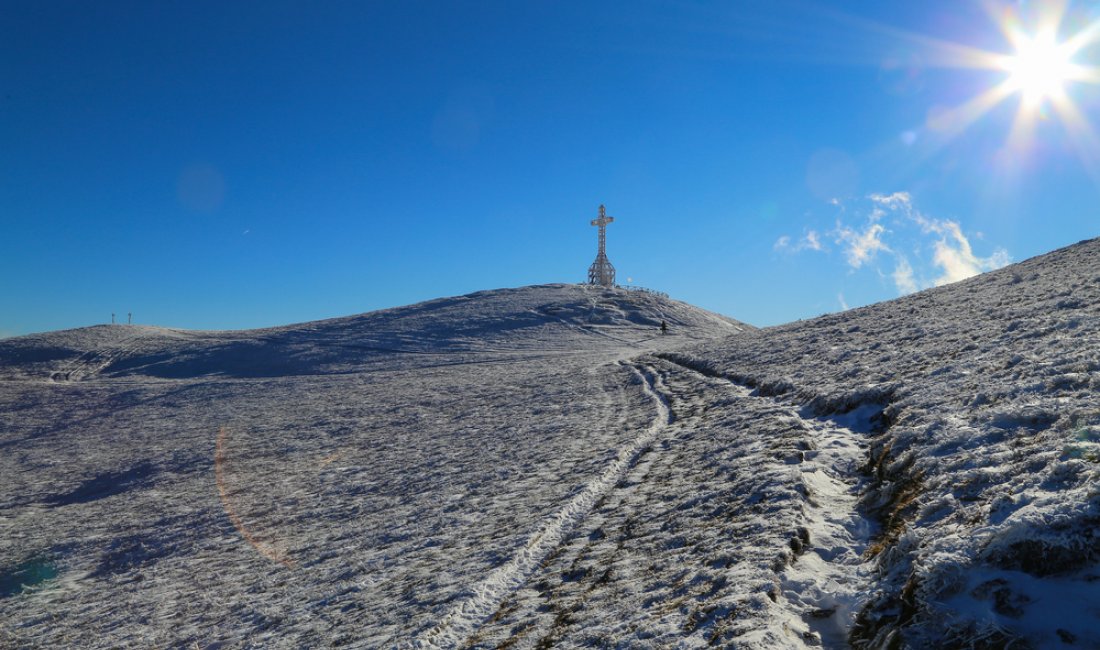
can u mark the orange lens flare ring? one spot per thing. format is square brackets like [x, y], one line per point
[264, 548]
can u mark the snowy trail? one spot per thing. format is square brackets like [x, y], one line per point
[741, 529]
[827, 584]
[465, 618]
[829, 579]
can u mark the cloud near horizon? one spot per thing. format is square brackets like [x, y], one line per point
[952, 251]
[861, 247]
[888, 231]
[903, 277]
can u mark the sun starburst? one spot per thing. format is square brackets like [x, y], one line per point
[1046, 58]
[1040, 67]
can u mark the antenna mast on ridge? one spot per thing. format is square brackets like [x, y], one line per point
[602, 272]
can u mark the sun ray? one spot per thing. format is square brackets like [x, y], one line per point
[1083, 138]
[1022, 132]
[1083, 38]
[935, 52]
[1053, 15]
[1084, 74]
[952, 122]
[943, 127]
[945, 54]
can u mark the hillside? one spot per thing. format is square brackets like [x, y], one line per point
[342, 481]
[982, 473]
[539, 467]
[543, 319]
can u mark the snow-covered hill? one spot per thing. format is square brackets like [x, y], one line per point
[540, 467]
[340, 482]
[983, 472]
[544, 319]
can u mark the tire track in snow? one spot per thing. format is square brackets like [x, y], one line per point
[466, 617]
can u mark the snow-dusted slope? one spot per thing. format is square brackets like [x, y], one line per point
[984, 473]
[539, 467]
[922, 473]
[371, 481]
[544, 319]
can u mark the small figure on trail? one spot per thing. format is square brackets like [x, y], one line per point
[664, 327]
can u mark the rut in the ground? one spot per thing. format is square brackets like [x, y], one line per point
[486, 597]
[716, 535]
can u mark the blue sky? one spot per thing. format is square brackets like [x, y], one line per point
[230, 165]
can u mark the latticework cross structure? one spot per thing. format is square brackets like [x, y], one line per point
[602, 272]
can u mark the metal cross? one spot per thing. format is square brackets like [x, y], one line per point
[602, 272]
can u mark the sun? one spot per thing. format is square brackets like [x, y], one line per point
[1040, 67]
[1050, 58]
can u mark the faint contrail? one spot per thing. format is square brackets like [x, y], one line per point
[219, 474]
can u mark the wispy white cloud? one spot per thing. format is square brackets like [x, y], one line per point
[812, 241]
[952, 251]
[893, 201]
[903, 276]
[958, 261]
[861, 247]
[809, 241]
[926, 251]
